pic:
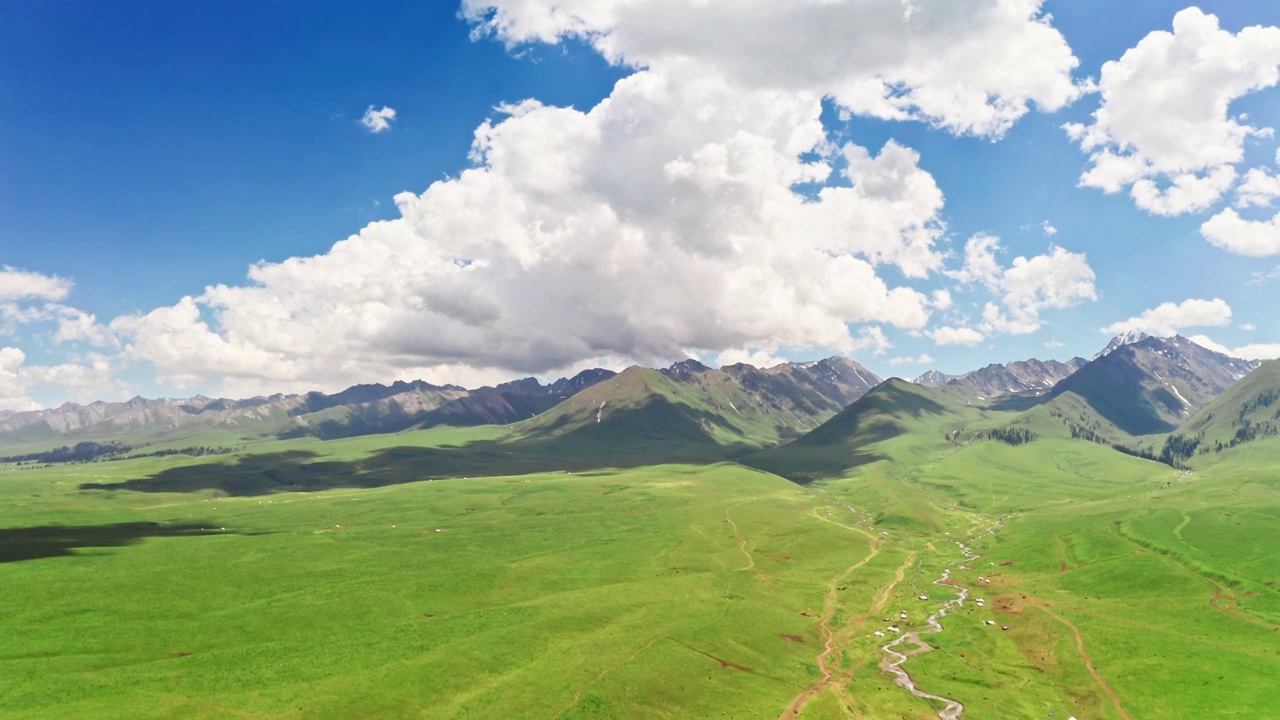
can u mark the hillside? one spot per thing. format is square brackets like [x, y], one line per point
[1247, 412]
[690, 408]
[894, 408]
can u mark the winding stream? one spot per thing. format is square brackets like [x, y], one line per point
[894, 659]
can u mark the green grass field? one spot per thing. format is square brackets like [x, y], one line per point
[335, 580]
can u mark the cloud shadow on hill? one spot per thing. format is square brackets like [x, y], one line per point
[653, 434]
[33, 543]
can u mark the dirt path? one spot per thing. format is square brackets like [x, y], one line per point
[830, 645]
[742, 542]
[883, 598]
[577, 696]
[1084, 655]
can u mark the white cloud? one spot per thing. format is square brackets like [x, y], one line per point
[750, 356]
[79, 326]
[973, 67]
[941, 299]
[1048, 229]
[1263, 351]
[661, 222]
[23, 285]
[1054, 344]
[1188, 192]
[1207, 343]
[378, 120]
[1057, 280]
[1169, 318]
[873, 339]
[923, 359]
[1165, 113]
[956, 336]
[980, 263]
[658, 223]
[1260, 188]
[82, 379]
[1248, 327]
[1254, 238]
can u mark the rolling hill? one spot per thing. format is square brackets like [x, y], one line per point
[689, 407]
[894, 408]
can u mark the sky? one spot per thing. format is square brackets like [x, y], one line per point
[245, 198]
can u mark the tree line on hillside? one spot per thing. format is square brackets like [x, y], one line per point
[79, 453]
[1174, 453]
[1009, 435]
[88, 451]
[194, 451]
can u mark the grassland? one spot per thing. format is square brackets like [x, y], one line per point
[366, 578]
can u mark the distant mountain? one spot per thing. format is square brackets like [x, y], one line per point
[934, 378]
[1016, 377]
[1147, 386]
[357, 410]
[140, 415]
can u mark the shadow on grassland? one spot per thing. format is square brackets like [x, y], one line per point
[32, 543]
[654, 434]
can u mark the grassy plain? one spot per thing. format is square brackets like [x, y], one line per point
[307, 579]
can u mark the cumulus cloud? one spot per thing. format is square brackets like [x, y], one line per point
[31, 298]
[82, 379]
[972, 67]
[23, 285]
[1259, 188]
[1056, 280]
[661, 222]
[1262, 351]
[956, 336]
[758, 358]
[1254, 238]
[377, 121]
[1164, 127]
[1169, 318]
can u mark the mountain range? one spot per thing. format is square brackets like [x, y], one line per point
[1137, 386]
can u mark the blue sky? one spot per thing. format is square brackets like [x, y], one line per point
[151, 150]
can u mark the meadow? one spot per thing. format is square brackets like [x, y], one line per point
[368, 578]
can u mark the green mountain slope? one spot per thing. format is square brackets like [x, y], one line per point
[690, 410]
[1248, 411]
[894, 409]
